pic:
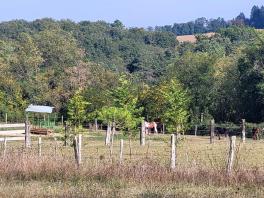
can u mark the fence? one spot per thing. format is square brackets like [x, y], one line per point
[243, 129]
[91, 149]
[172, 152]
[12, 129]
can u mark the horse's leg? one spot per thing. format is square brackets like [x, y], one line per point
[155, 129]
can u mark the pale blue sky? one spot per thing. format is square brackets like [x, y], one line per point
[140, 13]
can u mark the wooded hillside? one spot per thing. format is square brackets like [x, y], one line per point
[87, 69]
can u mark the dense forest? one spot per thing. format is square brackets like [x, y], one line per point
[89, 70]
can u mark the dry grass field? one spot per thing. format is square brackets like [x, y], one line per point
[144, 171]
[192, 38]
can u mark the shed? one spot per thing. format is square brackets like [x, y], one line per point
[41, 127]
[39, 109]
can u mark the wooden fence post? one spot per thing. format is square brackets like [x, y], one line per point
[39, 146]
[27, 134]
[173, 152]
[142, 134]
[75, 149]
[112, 137]
[6, 118]
[77, 145]
[195, 130]
[108, 134]
[65, 133]
[121, 151]
[212, 127]
[231, 154]
[5, 144]
[80, 148]
[62, 122]
[55, 147]
[130, 148]
[96, 124]
[163, 128]
[243, 130]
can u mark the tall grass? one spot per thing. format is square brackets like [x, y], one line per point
[27, 167]
[200, 172]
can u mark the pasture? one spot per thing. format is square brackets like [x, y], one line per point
[143, 172]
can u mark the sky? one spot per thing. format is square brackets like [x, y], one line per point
[133, 13]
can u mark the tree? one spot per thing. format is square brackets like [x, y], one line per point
[200, 25]
[241, 20]
[124, 96]
[59, 49]
[153, 101]
[238, 34]
[176, 106]
[226, 97]
[77, 108]
[123, 108]
[215, 46]
[195, 72]
[26, 66]
[251, 83]
[60, 52]
[118, 117]
[117, 24]
[257, 17]
[12, 29]
[101, 82]
[12, 100]
[168, 103]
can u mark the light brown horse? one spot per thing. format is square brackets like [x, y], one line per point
[150, 125]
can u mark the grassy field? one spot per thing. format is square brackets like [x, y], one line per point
[144, 172]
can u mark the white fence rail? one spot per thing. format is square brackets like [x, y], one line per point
[12, 132]
[12, 139]
[19, 125]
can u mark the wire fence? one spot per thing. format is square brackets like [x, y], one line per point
[189, 152]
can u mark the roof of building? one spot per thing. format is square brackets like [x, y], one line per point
[39, 109]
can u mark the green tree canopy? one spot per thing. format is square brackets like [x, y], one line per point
[77, 108]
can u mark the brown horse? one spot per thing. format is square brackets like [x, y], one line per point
[256, 132]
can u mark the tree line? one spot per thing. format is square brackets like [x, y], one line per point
[105, 71]
[203, 25]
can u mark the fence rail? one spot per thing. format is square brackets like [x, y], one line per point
[18, 125]
[12, 139]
